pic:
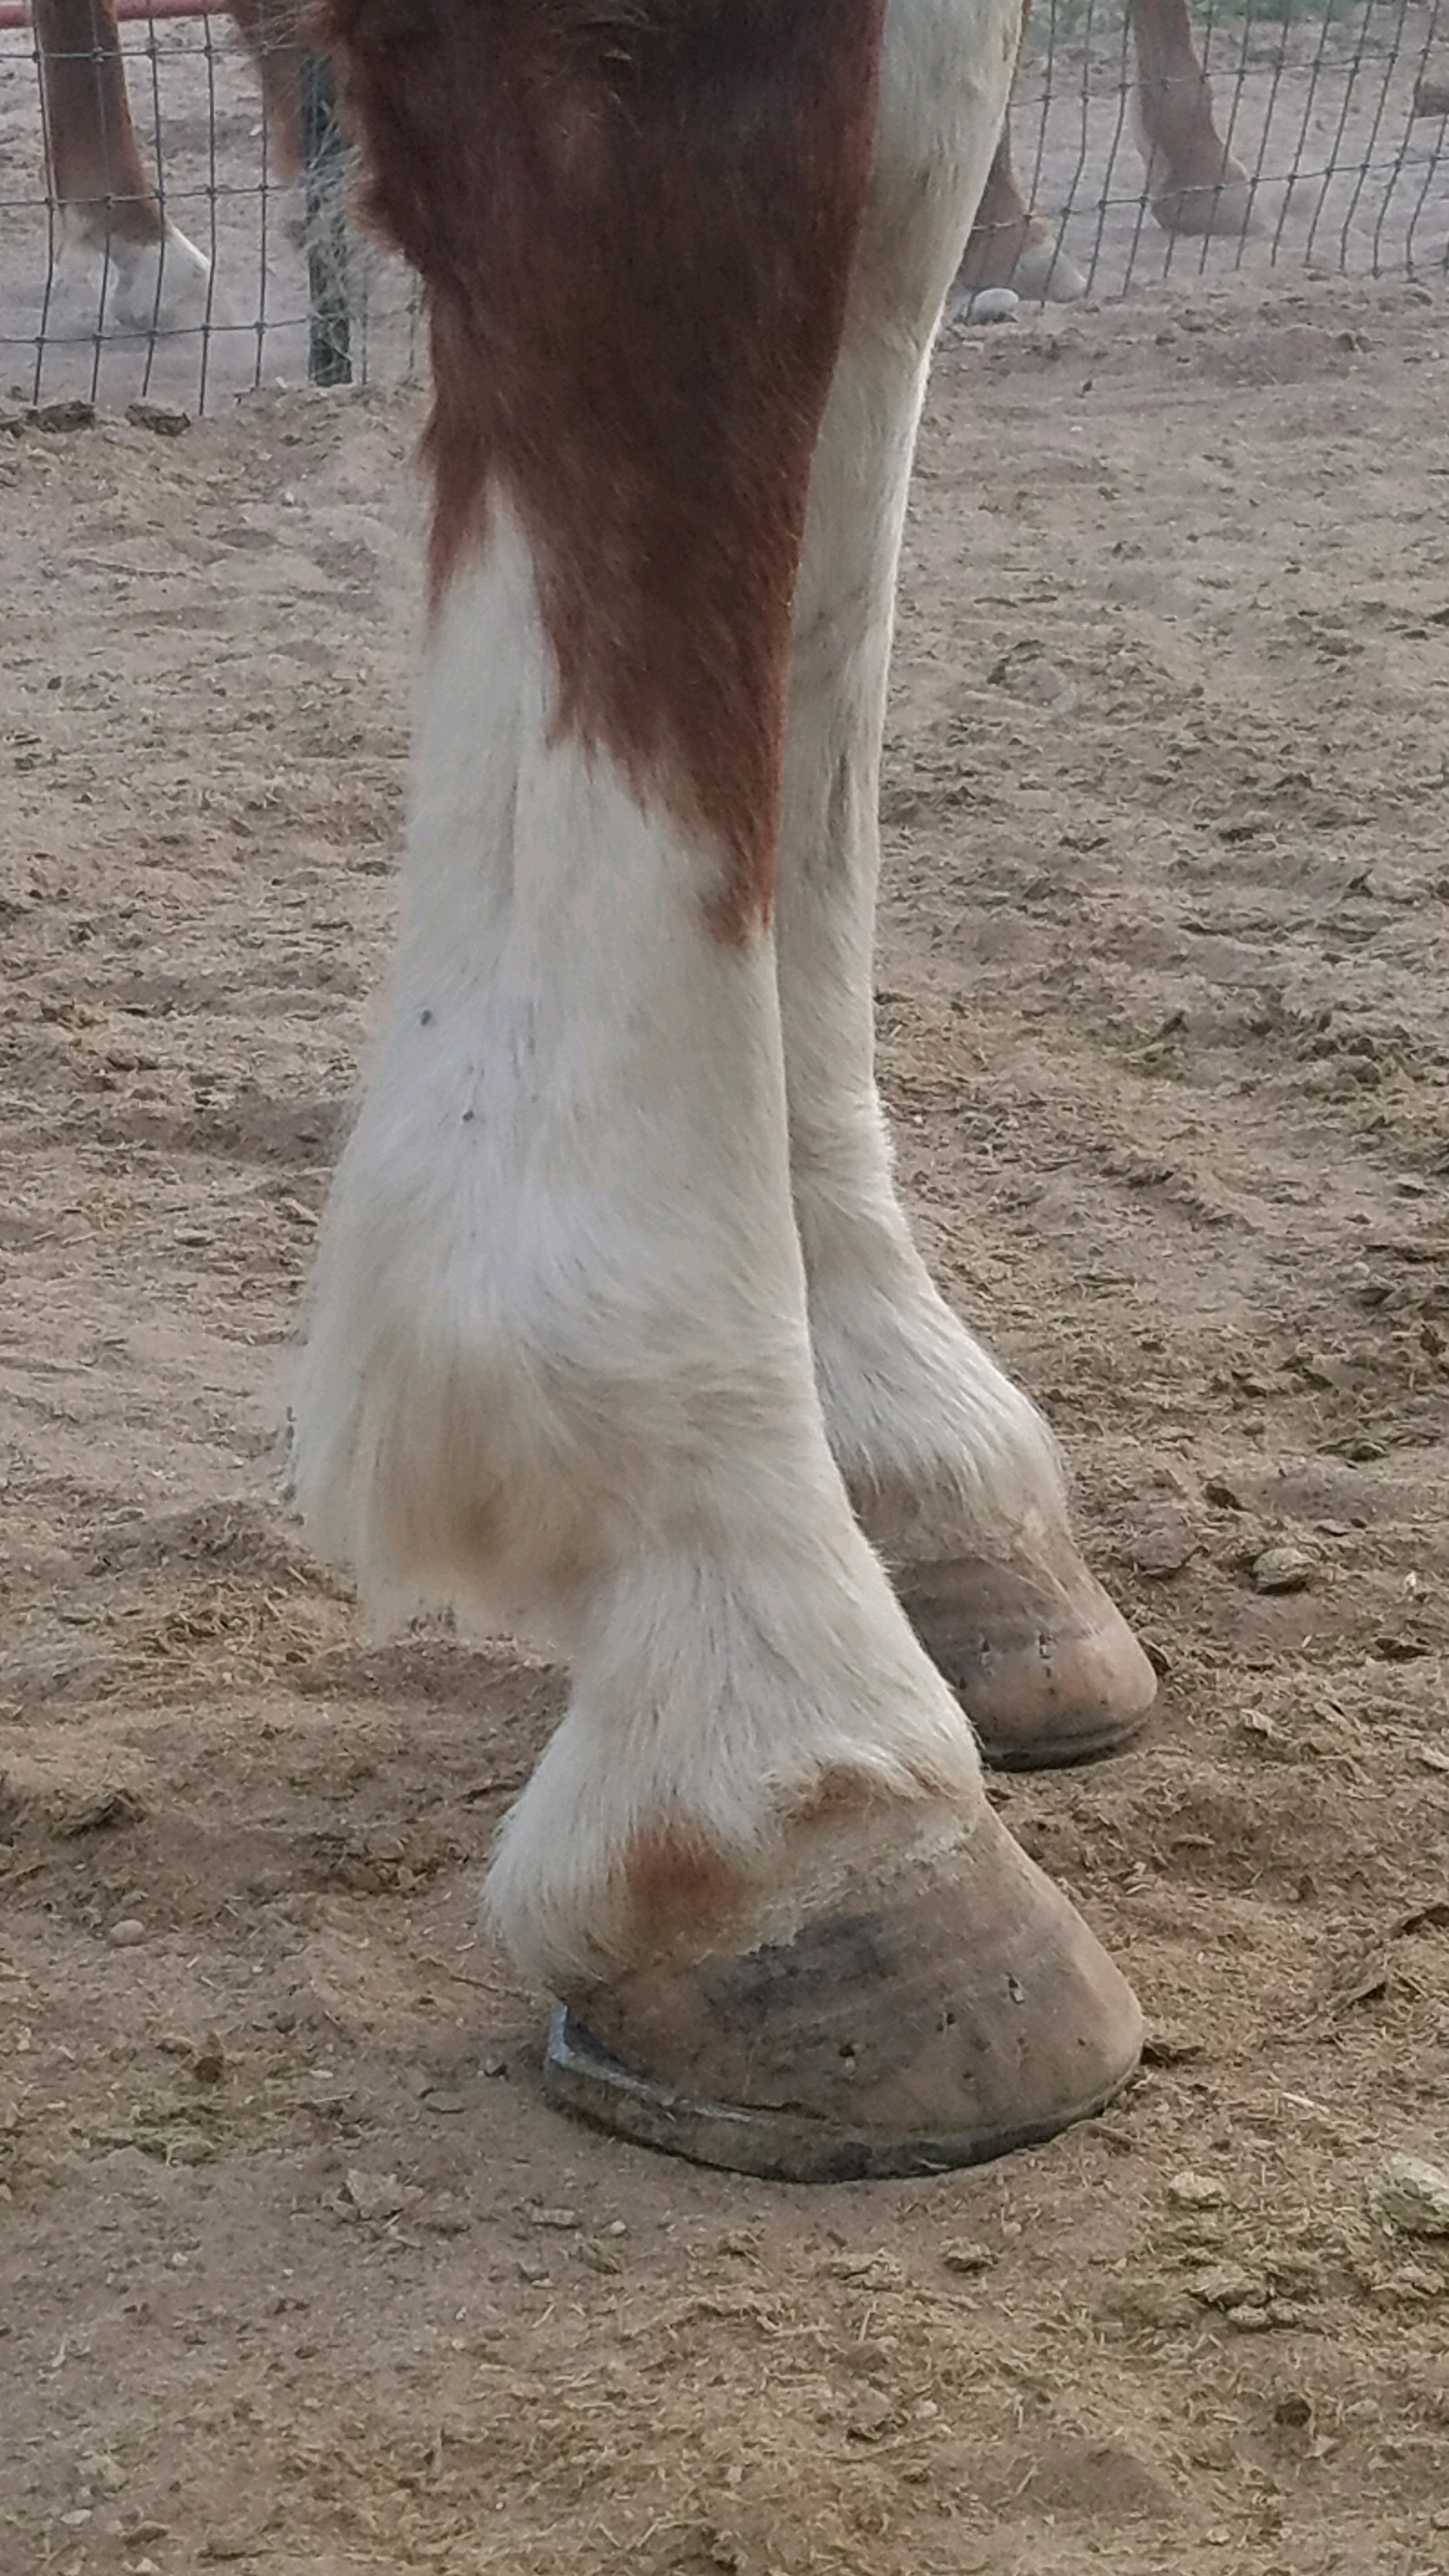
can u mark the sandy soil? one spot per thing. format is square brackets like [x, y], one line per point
[297, 2273]
[1318, 109]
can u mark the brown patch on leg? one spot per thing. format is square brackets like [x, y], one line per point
[681, 1886]
[95, 164]
[635, 221]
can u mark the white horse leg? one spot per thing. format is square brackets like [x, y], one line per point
[559, 1369]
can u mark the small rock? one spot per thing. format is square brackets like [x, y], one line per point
[1227, 2286]
[162, 418]
[991, 304]
[1161, 1545]
[1169, 2044]
[1283, 1569]
[560, 2218]
[495, 2065]
[1433, 1757]
[1412, 2195]
[1195, 2191]
[126, 1934]
[963, 2256]
[103, 1808]
[64, 415]
[186, 2147]
[100, 2470]
[377, 2195]
[870, 2415]
[445, 2103]
[209, 2064]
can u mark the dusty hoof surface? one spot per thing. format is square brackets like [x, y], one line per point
[1222, 207]
[1043, 1663]
[944, 2007]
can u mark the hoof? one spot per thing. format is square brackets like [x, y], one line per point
[934, 2005]
[1043, 1663]
[158, 286]
[1222, 210]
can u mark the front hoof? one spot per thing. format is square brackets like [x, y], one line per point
[944, 2005]
[1217, 209]
[1043, 1663]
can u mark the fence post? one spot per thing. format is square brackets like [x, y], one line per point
[329, 345]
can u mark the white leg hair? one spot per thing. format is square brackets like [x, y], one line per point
[942, 1454]
[162, 286]
[558, 1369]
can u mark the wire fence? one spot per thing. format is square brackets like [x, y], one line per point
[1331, 113]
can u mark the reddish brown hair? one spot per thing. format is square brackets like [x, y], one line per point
[635, 221]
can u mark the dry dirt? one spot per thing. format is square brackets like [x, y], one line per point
[297, 2273]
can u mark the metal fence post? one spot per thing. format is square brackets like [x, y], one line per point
[329, 345]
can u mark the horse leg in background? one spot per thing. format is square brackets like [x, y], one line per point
[155, 279]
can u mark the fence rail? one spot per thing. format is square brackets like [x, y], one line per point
[1336, 110]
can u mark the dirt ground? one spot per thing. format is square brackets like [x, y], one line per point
[297, 2272]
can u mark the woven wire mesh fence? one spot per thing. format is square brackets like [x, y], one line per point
[1332, 111]
[270, 282]
[1326, 117]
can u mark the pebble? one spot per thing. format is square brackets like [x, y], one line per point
[1412, 2195]
[963, 2256]
[74, 414]
[126, 1934]
[445, 2102]
[1195, 2191]
[554, 2217]
[162, 419]
[1227, 2286]
[102, 2471]
[992, 304]
[377, 2195]
[1283, 1569]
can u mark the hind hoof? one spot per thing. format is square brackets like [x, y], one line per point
[1043, 1663]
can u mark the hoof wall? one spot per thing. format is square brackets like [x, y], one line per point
[1042, 1661]
[778, 2146]
[947, 2007]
